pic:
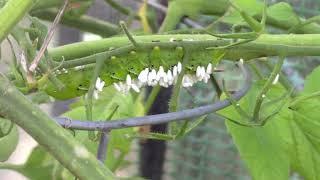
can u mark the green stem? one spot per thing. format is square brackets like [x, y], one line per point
[306, 22]
[89, 99]
[120, 8]
[265, 45]
[21, 38]
[283, 80]
[191, 8]
[170, 22]
[84, 23]
[256, 70]
[266, 87]
[61, 144]
[173, 104]
[9, 166]
[152, 96]
[11, 14]
[118, 161]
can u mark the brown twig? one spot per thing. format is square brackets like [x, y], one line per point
[49, 36]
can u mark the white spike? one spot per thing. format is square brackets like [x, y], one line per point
[118, 88]
[175, 71]
[276, 79]
[198, 73]
[160, 73]
[203, 70]
[128, 80]
[209, 69]
[99, 84]
[187, 81]
[152, 78]
[170, 77]
[206, 78]
[241, 61]
[79, 67]
[179, 67]
[135, 87]
[143, 76]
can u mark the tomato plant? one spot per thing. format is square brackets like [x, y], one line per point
[274, 126]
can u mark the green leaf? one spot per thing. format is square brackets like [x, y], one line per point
[252, 7]
[9, 142]
[264, 149]
[119, 140]
[312, 81]
[306, 158]
[282, 13]
[306, 112]
[40, 165]
[305, 130]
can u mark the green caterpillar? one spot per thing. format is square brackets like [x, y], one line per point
[116, 70]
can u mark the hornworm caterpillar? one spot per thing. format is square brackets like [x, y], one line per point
[166, 54]
[136, 69]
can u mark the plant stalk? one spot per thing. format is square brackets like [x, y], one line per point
[58, 142]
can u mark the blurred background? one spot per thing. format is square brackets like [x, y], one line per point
[208, 151]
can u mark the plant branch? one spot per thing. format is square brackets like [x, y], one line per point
[121, 9]
[11, 14]
[84, 23]
[265, 45]
[266, 87]
[58, 142]
[151, 98]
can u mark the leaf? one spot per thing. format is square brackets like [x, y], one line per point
[264, 149]
[305, 130]
[282, 13]
[312, 81]
[306, 159]
[9, 142]
[306, 112]
[252, 7]
[40, 165]
[119, 140]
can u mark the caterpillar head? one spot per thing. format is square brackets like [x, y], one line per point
[76, 84]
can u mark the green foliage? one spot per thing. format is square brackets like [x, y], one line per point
[282, 13]
[40, 165]
[288, 141]
[262, 148]
[305, 130]
[119, 140]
